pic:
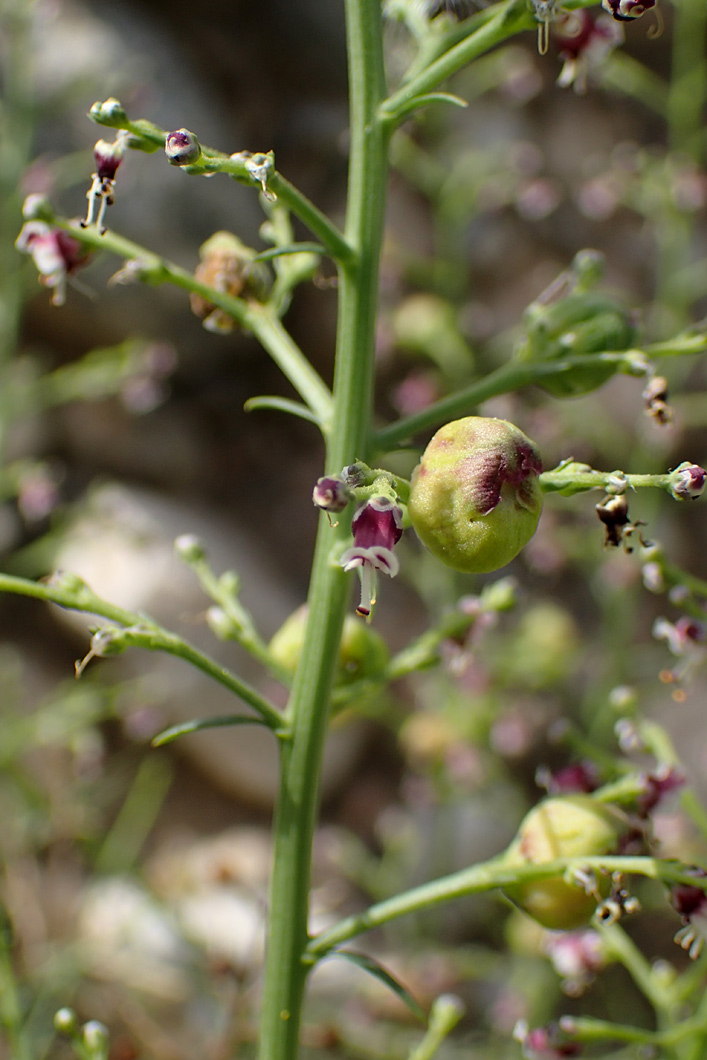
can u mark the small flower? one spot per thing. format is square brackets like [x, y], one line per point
[331, 493]
[687, 481]
[680, 636]
[686, 640]
[582, 777]
[655, 396]
[377, 527]
[107, 157]
[182, 148]
[691, 903]
[665, 780]
[55, 253]
[626, 10]
[613, 513]
[544, 1043]
[576, 956]
[583, 44]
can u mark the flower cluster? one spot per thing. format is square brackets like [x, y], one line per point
[377, 525]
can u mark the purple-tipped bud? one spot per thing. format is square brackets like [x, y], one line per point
[331, 494]
[687, 481]
[626, 10]
[182, 148]
[108, 157]
[475, 499]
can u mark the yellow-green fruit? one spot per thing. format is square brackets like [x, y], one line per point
[475, 499]
[363, 652]
[571, 826]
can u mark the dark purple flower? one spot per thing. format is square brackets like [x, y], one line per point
[691, 904]
[626, 10]
[55, 253]
[583, 43]
[657, 786]
[573, 778]
[108, 157]
[377, 527]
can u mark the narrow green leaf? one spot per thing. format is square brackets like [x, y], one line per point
[198, 724]
[370, 965]
[430, 97]
[291, 248]
[272, 401]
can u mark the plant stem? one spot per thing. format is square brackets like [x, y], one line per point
[487, 876]
[138, 630]
[287, 935]
[259, 318]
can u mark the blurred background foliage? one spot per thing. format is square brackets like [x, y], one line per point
[133, 880]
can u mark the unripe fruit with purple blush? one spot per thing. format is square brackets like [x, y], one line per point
[475, 498]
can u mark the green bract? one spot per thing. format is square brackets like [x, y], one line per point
[571, 826]
[475, 499]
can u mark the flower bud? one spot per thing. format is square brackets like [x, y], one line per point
[182, 148]
[65, 1021]
[363, 652]
[572, 826]
[95, 1037]
[331, 494]
[110, 113]
[37, 207]
[475, 499]
[189, 548]
[687, 481]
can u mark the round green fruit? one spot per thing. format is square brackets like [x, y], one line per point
[475, 499]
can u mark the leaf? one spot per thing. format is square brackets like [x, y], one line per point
[271, 401]
[370, 965]
[291, 248]
[431, 97]
[198, 724]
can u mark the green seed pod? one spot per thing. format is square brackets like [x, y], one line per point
[475, 499]
[570, 826]
[581, 323]
[363, 652]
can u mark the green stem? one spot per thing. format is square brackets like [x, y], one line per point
[572, 478]
[688, 85]
[138, 630]
[621, 947]
[505, 379]
[256, 317]
[487, 876]
[287, 934]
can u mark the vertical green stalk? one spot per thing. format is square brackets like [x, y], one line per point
[688, 85]
[301, 754]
